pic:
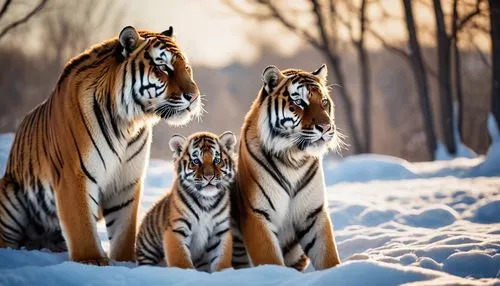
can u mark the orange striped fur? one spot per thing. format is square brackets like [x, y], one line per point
[278, 202]
[86, 147]
[190, 226]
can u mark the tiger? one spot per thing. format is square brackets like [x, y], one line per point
[82, 154]
[278, 201]
[190, 227]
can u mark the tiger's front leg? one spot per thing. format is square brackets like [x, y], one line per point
[261, 242]
[319, 242]
[77, 206]
[120, 214]
[220, 247]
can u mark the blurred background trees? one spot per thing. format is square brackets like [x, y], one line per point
[401, 70]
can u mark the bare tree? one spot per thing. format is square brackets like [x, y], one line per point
[15, 23]
[445, 44]
[495, 55]
[364, 66]
[417, 64]
[325, 17]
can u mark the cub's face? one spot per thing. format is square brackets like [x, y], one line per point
[296, 111]
[205, 162]
[158, 76]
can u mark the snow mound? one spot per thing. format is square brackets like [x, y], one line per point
[488, 213]
[431, 218]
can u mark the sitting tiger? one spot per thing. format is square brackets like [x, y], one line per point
[83, 152]
[190, 226]
[278, 202]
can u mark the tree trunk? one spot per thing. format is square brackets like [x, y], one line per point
[331, 54]
[445, 96]
[495, 58]
[364, 66]
[420, 78]
[348, 110]
[457, 72]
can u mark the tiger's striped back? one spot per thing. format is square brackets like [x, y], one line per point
[190, 226]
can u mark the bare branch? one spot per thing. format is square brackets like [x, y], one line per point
[242, 12]
[24, 19]
[278, 15]
[470, 15]
[5, 7]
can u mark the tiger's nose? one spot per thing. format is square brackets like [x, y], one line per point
[323, 127]
[209, 178]
[188, 96]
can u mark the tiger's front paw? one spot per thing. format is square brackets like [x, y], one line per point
[103, 261]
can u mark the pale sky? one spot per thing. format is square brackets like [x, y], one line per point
[208, 31]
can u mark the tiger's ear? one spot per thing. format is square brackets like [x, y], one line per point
[169, 32]
[228, 140]
[176, 143]
[271, 77]
[322, 72]
[129, 39]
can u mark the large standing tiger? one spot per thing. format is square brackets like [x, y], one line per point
[190, 226]
[279, 198]
[84, 150]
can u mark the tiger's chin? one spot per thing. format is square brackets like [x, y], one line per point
[183, 116]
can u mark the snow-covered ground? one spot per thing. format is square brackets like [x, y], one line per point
[396, 222]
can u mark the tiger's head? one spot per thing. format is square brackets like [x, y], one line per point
[296, 112]
[205, 162]
[156, 80]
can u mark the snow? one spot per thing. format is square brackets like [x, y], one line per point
[396, 222]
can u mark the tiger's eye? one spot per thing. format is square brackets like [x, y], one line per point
[217, 161]
[324, 102]
[197, 162]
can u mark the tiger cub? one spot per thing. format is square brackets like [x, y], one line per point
[190, 226]
[279, 197]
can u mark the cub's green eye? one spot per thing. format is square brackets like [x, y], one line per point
[197, 162]
[217, 161]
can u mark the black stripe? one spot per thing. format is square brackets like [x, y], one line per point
[114, 122]
[11, 216]
[302, 233]
[282, 179]
[93, 199]
[263, 192]
[221, 222]
[186, 203]
[308, 176]
[110, 210]
[181, 232]
[239, 254]
[213, 259]
[212, 247]
[237, 263]
[201, 265]
[221, 210]
[269, 171]
[137, 137]
[102, 125]
[194, 199]
[185, 221]
[110, 223]
[5, 225]
[82, 165]
[263, 213]
[308, 246]
[217, 202]
[91, 137]
[138, 150]
[221, 232]
[239, 248]
[315, 212]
